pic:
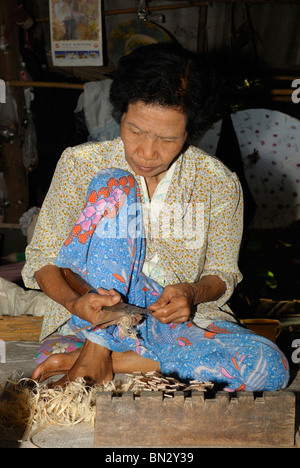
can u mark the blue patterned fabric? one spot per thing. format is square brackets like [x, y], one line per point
[107, 248]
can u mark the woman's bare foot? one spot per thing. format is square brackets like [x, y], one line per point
[92, 362]
[94, 365]
[55, 364]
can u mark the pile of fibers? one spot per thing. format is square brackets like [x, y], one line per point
[30, 406]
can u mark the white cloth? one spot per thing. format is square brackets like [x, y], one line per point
[16, 301]
[151, 212]
[97, 110]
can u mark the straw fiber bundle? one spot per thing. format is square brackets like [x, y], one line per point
[30, 406]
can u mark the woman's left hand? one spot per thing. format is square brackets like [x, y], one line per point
[175, 304]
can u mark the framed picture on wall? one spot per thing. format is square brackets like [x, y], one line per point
[76, 32]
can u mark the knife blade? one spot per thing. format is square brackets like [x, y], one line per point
[115, 311]
[127, 309]
[82, 288]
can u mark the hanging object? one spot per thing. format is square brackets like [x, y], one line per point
[4, 200]
[8, 117]
[30, 157]
[22, 18]
[270, 146]
[132, 34]
[19, 17]
[143, 11]
[29, 149]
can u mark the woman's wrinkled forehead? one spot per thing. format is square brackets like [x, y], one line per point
[166, 120]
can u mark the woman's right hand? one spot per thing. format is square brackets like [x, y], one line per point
[89, 307]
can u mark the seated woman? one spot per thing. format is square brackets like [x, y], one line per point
[150, 220]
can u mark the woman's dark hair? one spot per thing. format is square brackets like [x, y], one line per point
[168, 75]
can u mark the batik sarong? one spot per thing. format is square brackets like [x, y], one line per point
[106, 247]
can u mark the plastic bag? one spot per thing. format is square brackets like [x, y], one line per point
[27, 220]
[8, 118]
[29, 150]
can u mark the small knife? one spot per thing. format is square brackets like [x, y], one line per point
[120, 309]
[127, 309]
[81, 287]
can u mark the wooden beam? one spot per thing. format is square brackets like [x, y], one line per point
[282, 92]
[46, 84]
[176, 6]
[202, 30]
[276, 94]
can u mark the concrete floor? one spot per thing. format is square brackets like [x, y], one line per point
[19, 360]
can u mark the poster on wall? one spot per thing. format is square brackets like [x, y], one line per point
[76, 33]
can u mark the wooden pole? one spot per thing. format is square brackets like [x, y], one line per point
[13, 169]
[202, 30]
[46, 84]
[177, 6]
[124, 11]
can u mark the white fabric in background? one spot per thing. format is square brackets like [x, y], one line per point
[15, 301]
[97, 110]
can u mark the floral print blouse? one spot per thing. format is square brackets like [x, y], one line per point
[197, 233]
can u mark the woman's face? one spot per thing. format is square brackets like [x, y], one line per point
[153, 136]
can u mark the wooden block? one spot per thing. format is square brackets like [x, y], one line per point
[191, 419]
[22, 328]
